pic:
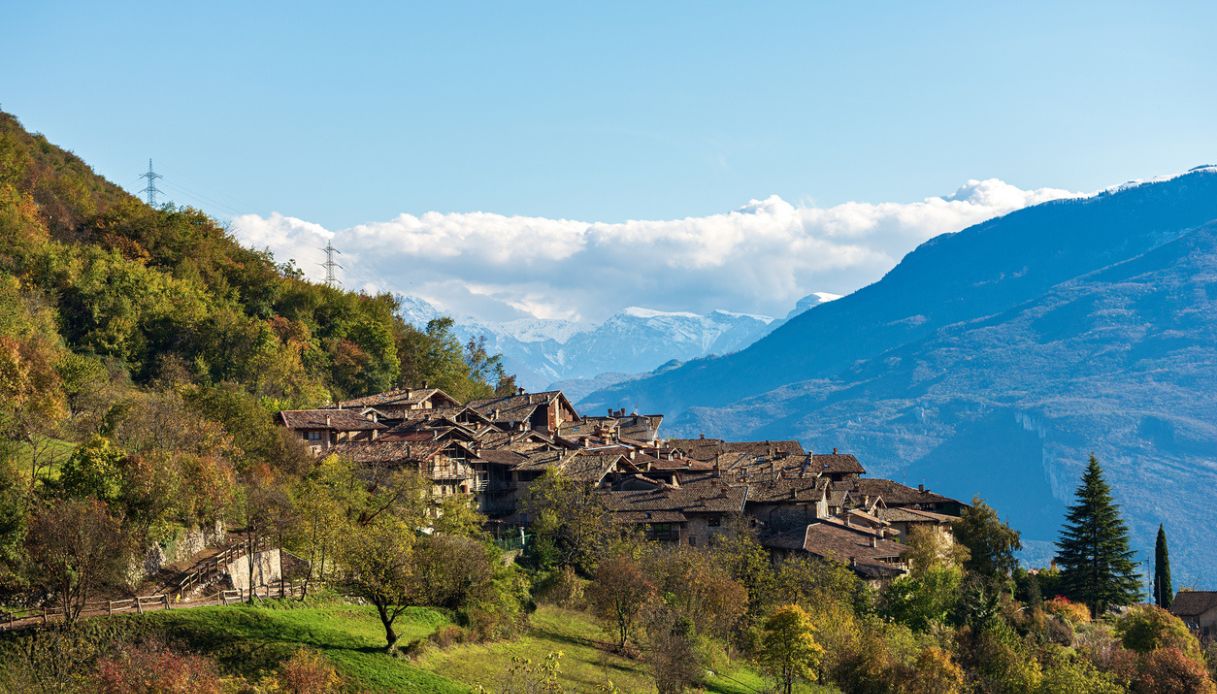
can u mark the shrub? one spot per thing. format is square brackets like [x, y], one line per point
[563, 588]
[1070, 611]
[1171, 671]
[934, 672]
[1146, 628]
[1067, 673]
[448, 635]
[154, 669]
[308, 672]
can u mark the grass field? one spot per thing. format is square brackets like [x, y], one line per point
[252, 640]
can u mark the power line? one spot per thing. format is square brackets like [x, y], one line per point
[330, 264]
[151, 190]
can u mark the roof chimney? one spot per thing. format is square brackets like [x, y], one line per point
[701, 436]
[520, 390]
[834, 450]
[921, 488]
[327, 421]
[874, 541]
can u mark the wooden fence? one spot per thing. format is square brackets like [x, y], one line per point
[212, 568]
[42, 616]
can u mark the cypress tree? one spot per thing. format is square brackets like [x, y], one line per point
[1097, 568]
[1163, 591]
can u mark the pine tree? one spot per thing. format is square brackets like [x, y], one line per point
[1163, 591]
[1097, 568]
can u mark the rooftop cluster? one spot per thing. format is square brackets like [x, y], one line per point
[676, 490]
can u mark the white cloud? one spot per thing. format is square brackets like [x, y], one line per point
[760, 258]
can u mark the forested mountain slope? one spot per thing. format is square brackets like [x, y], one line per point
[993, 360]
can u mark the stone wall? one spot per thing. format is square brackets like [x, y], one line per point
[188, 542]
[268, 567]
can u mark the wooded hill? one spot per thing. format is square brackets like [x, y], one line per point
[147, 351]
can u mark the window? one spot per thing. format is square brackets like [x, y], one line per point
[714, 522]
[663, 532]
[314, 436]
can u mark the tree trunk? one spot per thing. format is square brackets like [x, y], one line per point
[390, 635]
[250, 543]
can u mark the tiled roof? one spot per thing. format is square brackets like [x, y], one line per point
[334, 420]
[707, 449]
[701, 498]
[500, 456]
[400, 396]
[515, 408]
[388, 451]
[837, 463]
[648, 516]
[832, 541]
[894, 493]
[903, 514]
[1193, 603]
[539, 461]
[586, 466]
[789, 489]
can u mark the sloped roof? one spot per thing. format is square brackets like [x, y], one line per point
[518, 408]
[894, 493]
[904, 514]
[334, 420]
[586, 466]
[389, 451]
[500, 456]
[399, 396]
[832, 541]
[707, 449]
[788, 489]
[1193, 603]
[837, 463]
[702, 498]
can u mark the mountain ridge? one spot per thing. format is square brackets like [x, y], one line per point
[1000, 376]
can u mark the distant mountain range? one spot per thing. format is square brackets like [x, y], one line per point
[992, 361]
[581, 357]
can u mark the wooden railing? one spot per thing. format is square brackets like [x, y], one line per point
[139, 604]
[41, 616]
[212, 568]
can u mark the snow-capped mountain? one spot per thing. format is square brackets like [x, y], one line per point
[634, 341]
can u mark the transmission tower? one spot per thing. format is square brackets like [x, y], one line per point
[330, 264]
[151, 190]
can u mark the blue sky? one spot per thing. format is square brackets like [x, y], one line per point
[610, 112]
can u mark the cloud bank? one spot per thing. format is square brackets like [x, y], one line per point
[760, 258]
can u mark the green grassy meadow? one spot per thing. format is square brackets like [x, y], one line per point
[252, 640]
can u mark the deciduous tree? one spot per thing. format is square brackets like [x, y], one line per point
[787, 647]
[619, 593]
[991, 543]
[378, 566]
[75, 548]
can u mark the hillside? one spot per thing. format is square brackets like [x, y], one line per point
[154, 289]
[993, 360]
